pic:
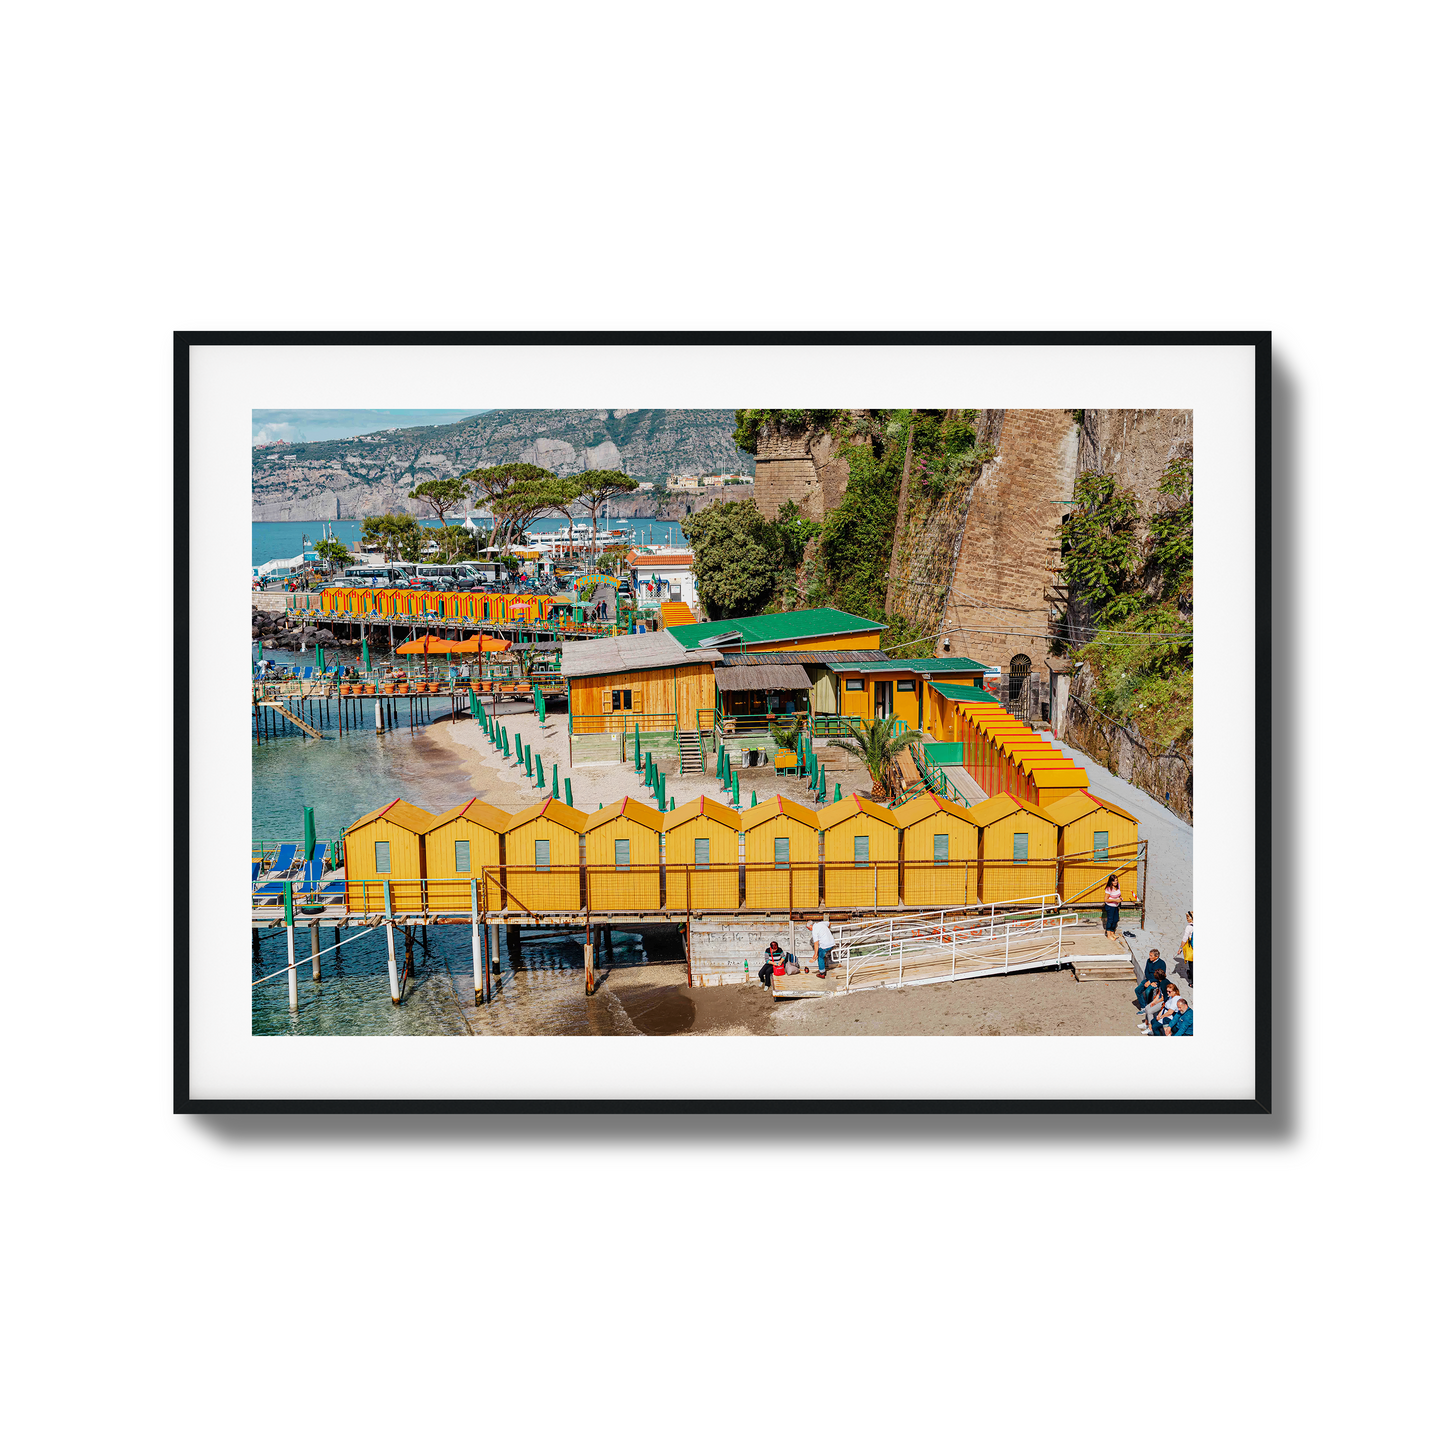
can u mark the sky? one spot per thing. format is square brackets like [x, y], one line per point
[301, 425]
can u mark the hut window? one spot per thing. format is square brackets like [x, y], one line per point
[1101, 847]
[462, 849]
[383, 857]
[622, 854]
[542, 854]
[780, 852]
[1021, 847]
[622, 699]
[905, 685]
[701, 852]
[860, 851]
[853, 684]
[940, 847]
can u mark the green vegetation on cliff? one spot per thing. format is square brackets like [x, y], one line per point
[1131, 601]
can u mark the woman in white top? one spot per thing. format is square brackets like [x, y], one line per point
[1113, 897]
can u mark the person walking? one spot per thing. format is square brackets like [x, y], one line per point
[1113, 897]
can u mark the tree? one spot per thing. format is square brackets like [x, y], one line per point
[524, 501]
[333, 554]
[595, 488]
[398, 534]
[792, 533]
[441, 494]
[876, 744]
[1099, 548]
[490, 483]
[734, 560]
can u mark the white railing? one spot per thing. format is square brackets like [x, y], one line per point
[1023, 928]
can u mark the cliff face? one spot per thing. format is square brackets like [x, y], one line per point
[803, 466]
[357, 476]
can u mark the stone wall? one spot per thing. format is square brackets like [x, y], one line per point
[1167, 777]
[802, 466]
[1008, 550]
[1135, 445]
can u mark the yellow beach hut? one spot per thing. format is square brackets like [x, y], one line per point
[386, 846]
[464, 843]
[780, 849]
[624, 856]
[940, 851]
[702, 855]
[1095, 839]
[1018, 850]
[543, 859]
[860, 854]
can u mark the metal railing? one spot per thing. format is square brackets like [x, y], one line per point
[623, 722]
[906, 951]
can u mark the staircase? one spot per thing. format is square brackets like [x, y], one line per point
[689, 754]
[292, 719]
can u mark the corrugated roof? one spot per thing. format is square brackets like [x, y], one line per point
[925, 665]
[777, 806]
[554, 811]
[643, 560]
[777, 627]
[629, 808]
[960, 692]
[760, 679]
[629, 652]
[804, 659]
[703, 808]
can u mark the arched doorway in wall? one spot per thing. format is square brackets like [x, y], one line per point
[1018, 676]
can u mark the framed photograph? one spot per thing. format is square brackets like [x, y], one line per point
[692, 755]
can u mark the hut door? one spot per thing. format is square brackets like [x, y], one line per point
[882, 699]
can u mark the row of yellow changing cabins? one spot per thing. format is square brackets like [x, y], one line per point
[1002, 754]
[518, 607]
[550, 858]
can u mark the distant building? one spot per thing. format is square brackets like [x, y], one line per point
[662, 577]
[683, 483]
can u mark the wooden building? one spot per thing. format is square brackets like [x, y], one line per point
[387, 846]
[624, 857]
[780, 851]
[860, 854]
[646, 681]
[544, 857]
[878, 687]
[940, 852]
[1018, 851]
[464, 843]
[702, 855]
[1095, 839]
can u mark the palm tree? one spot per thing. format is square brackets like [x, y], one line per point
[876, 743]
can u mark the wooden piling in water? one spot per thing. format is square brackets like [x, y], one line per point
[390, 945]
[315, 953]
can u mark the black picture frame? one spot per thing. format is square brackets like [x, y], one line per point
[1261, 1103]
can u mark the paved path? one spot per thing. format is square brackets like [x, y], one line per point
[1170, 883]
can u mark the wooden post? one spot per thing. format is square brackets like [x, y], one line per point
[587, 959]
[292, 1000]
[256, 945]
[315, 953]
[390, 945]
[496, 944]
[514, 943]
[476, 949]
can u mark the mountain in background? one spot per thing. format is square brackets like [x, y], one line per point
[360, 476]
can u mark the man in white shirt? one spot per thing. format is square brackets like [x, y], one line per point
[822, 946]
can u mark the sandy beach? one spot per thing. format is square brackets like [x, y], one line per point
[596, 784]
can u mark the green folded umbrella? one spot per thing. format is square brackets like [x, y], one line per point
[837, 792]
[755, 797]
[365, 656]
[308, 830]
[567, 784]
[555, 793]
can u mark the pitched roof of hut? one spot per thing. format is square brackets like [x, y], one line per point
[775, 807]
[1002, 804]
[474, 811]
[703, 808]
[929, 805]
[554, 811]
[850, 807]
[405, 815]
[1074, 806]
[631, 809]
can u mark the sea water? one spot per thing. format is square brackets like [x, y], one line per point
[343, 776]
[271, 540]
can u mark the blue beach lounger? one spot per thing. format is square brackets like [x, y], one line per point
[285, 861]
